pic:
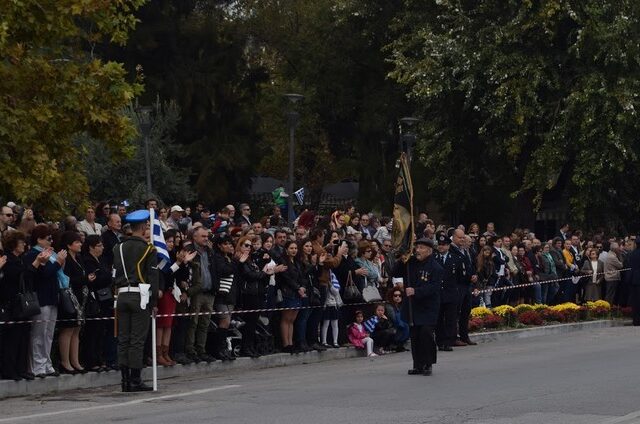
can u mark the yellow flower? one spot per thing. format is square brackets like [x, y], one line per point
[540, 307]
[568, 306]
[480, 312]
[503, 310]
[602, 304]
[523, 308]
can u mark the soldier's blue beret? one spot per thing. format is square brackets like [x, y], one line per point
[141, 215]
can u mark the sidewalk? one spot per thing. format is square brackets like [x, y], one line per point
[10, 388]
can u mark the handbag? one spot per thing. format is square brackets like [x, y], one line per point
[27, 304]
[371, 294]
[351, 292]
[92, 306]
[314, 294]
[68, 301]
[104, 294]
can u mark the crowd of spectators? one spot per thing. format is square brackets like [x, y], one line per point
[229, 261]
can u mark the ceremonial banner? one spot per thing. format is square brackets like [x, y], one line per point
[402, 235]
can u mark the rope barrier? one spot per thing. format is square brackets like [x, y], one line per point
[250, 311]
[555, 280]
[192, 314]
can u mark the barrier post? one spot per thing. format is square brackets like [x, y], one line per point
[154, 353]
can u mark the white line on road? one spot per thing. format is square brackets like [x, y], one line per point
[117, 405]
[627, 419]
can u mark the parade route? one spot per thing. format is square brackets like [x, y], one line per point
[583, 377]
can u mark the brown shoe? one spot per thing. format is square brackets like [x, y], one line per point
[160, 357]
[459, 343]
[165, 354]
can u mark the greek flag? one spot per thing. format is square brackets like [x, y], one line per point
[157, 239]
[371, 323]
[334, 281]
[300, 196]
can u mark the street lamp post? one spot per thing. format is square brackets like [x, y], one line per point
[144, 118]
[408, 137]
[293, 118]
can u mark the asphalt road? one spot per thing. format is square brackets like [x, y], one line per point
[582, 377]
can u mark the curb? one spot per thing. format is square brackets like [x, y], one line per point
[545, 330]
[47, 385]
[92, 380]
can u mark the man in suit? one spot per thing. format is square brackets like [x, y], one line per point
[612, 267]
[448, 317]
[564, 232]
[245, 215]
[634, 262]
[465, 278]
[111, 237]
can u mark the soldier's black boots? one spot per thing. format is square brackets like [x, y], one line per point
[124, 371]
[135, 382]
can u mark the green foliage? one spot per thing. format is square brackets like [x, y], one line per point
[52, 91]
[115, 179]
[534, 98]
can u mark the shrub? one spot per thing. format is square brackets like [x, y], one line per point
[475, 324]
[492, 321]
[627, 311]
[480, 312]
[523, 308]
[530, 318]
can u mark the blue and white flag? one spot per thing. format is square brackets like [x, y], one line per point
[299, 196]
[370, 324]
[157, 239]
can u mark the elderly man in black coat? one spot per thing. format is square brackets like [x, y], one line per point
[422, 284]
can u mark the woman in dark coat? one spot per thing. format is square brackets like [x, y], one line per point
[14, 273]
[69, 336]
[96, 332]
[291, 284]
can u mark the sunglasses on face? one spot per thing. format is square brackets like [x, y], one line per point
[8, 214]
[247, 245]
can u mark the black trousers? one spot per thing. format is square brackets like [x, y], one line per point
[15, 348]
[423, 346]
[635, 304]
[383, 338]
[464, 311]
[447, 320]
[250, 320]
[92, 342]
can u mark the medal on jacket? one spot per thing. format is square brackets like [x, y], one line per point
[424, 275]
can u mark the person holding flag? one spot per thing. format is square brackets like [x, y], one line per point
[136, 280]
[420, 275]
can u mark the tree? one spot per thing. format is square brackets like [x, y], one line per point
[536, 99]
[52, 90]
[126, 179]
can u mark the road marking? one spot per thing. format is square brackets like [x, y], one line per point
[629, 418]
[117, 405]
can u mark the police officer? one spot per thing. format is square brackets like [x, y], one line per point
[466, 278]
[420, 309]
[135, 268]
[448, 318]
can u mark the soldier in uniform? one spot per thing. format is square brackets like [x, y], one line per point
[448, 317]
[134, 264]
[420, 309]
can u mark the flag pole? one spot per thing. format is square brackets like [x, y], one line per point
[154, 353]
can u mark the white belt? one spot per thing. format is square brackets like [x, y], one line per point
[129, 289]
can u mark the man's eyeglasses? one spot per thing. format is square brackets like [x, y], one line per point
[8, 214]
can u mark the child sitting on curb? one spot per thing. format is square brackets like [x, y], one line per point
[381, 330]
[359, 337]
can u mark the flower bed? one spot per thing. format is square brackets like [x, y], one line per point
[506, 316]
